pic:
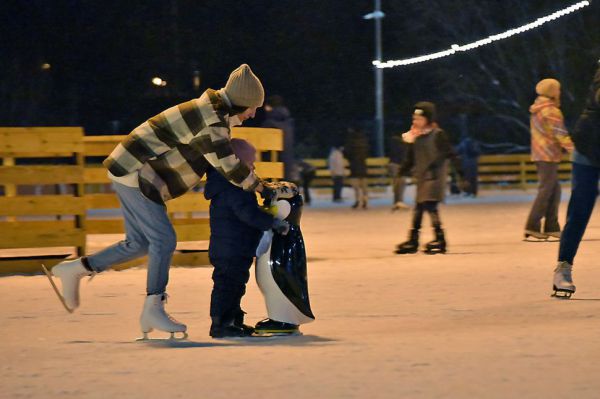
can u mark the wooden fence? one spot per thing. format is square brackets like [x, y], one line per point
[46, 228]
[514, 171]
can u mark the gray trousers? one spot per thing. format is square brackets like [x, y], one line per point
[547, 200]
[398, 182]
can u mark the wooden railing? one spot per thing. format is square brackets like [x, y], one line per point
[46, 228]
[514, 171]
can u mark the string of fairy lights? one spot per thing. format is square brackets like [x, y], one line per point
[455, 48]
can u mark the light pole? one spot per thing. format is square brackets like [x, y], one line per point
[378, 15]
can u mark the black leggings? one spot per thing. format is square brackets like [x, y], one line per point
[430, 207]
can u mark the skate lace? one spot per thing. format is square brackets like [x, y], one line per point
[165, 300]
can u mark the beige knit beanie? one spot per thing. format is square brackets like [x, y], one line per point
[548, 88]
[244, 88]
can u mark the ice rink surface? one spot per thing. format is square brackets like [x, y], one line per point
[475, 323]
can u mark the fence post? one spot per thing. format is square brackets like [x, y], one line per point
[523, 170]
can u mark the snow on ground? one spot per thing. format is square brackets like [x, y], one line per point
[476, 323]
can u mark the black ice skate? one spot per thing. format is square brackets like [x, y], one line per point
[411, 246]
[437, 246]
[268, 327]
[220, 329]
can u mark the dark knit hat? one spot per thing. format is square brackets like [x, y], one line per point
[426, 109]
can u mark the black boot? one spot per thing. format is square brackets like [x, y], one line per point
[274, 327]
[411, 246]
[437, 246]
[226, 328]
[239, 322]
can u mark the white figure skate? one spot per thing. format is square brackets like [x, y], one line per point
[70, 274]
[154, 317]
[563, 281]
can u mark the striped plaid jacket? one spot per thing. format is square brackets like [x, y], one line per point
[549, 137]
[173, 150]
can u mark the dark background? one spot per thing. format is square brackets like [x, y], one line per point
[316, 54]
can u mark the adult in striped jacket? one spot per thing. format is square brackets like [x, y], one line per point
[161, 159]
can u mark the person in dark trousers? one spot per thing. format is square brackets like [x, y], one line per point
[278, 116]
[584, 188]
[427, 157]
[307, 173]
[337, 168]
[397, 155]
[469, 151]
[236, 226]
[549, 139]
[357, 152]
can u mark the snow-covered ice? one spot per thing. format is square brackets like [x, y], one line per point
[476, 323]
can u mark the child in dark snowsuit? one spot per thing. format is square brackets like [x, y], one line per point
[237, 224]
[428, 150]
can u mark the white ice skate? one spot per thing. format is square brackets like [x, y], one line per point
[398, 206]
[154, 317]
[70, 274]
[563, 281]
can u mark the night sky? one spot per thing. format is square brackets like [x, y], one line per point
[316, 54]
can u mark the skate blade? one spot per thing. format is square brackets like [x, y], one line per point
[561, 294]
[426, 252]
[278, 333]
[172, 338]
[49, 274]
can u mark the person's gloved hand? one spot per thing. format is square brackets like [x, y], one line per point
[281, 226]
[273, 191]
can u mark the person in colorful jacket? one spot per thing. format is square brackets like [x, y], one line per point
[549, 139]
[161, 159]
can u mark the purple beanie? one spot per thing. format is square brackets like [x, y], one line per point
[244, 151]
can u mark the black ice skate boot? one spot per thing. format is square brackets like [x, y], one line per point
[437, 246]
[274, 327]
[411, 246]
[239, 322]
[222, 328]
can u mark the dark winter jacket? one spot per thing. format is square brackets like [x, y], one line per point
[357, 152]
[586, 134]
[427, 158]
[236, 221]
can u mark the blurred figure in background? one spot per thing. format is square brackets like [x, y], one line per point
[549, 138]
[469, 151]
[277, 116]
[397, 155]
[337, 169]
[307, 173]
[357, 152]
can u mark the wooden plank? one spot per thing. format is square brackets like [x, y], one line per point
[101, 145]
[30, 141]
[264, 139]
[104, 226]
[269, 170]
[47, 174]
[199, 231]
[38, 205]
[191, 202]
[54, 237]
[95, 174]
[28, 265]
[101, 201]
